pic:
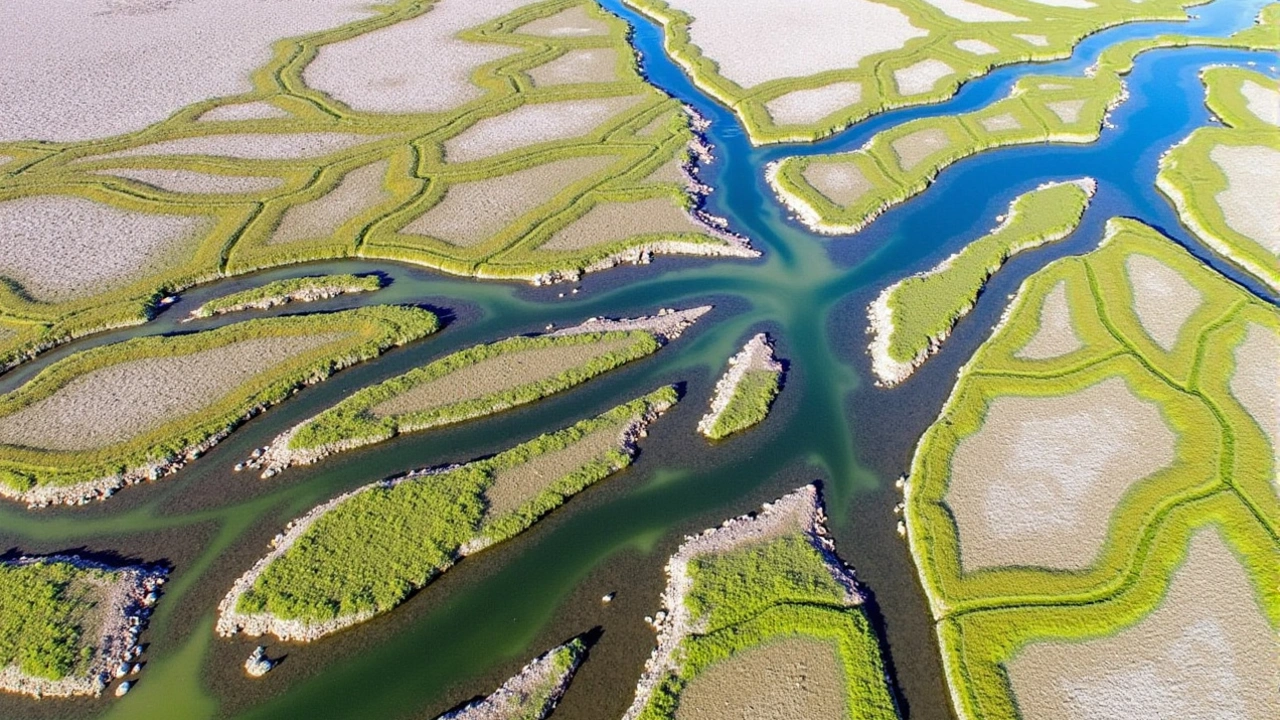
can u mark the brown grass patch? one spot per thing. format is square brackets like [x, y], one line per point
[533, 124]
[359, 190]
[611, 222]
[1056, 336]
[1163, 300]
[516, 486]
[590, 65]
[788, 679]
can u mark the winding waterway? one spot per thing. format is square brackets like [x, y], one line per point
[478, 624]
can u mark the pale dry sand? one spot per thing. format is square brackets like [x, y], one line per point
[755, 41]
[496, 375]
[787, 679]
[359, 190]
[61, 247]
[258, 110]
[1207, 652]
[1077, 4]
[382, 71]
[573, 22]
[840, 182]
[1163, 300]
[515, 700]
[971, 12]
[672, 171]
[1037, 40]
[1056, 336]
[1251, 203]
[656, 125]
[1000, 122]
[123, 401]
[190, 181]
[251, 146]
[589, 65]
[86, 69]
[808, 106]
[977, 47]
[911, 149]
[1263, 102]
[514, 487]
[532, 124]
[1037, 484]
[1256, 384]
[611, 222]
[472, 212]
[1068, 111]
[920, 77]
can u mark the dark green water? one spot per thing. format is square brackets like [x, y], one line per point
[477, 625]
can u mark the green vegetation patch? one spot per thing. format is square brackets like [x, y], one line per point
[280, 292]
[749, 404]
[534, 692]
[43, 617]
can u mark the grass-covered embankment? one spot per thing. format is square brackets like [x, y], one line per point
[746, 391]
[282, 292]
[1220, 474]
[365, 552]
[140, 409]
[738, 594]
[533, 693]
[911, 318]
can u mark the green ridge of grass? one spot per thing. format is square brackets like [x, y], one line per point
[280, 292]
[42, 612]
[749, 404]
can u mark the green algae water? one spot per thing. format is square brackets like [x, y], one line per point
[480, 622]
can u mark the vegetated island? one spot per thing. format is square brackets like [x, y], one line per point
[283, 292]
[1136, 573]
[364, 552]
[1223, 180]
[68, 625]
[911, 318]
[839, 194]
[141, 409]
[473, 383]
[533, 693]
[745, 392]
[801, 74]
[529, 148]
[761, 619]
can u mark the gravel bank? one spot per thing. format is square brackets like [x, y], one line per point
[530, 695]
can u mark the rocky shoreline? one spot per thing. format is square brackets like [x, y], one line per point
[511, 701]
[757, 354]
[303, 295]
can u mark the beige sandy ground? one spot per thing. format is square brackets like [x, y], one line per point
[251, 146]
[190, 181]
[1263, 101]
[790, 679]
[917, 146]
[671, 171]
[1205, 653]
[756, 355]
[841, 183]
[86, 69]
[1256, 384]
[920, 77]
[655, 125]
[1000, 122]
[754, 41]
[259, 110]
[1251, 202]
[808, 106]
[514, 487]
[119, 402]
[512, 701]
[1077, 4]
[532, 124]
[359, 190]
[971, 12]
[1163, 300]
[1056, 336]
[1037, 40]
[381, 71]
[61, 247]
[574, 22]
[611, 222]
[1068, 111]
[589, 65]
[472, 212]
[977, 47]
[495, 375]
[1037, 484]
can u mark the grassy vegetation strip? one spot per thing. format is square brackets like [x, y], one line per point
[41, 476]
[911, 319]
[282, 292]
[745, 392]
[68, 624]
[759, 579]
[357, 420]
[533, 693]
[365, 552]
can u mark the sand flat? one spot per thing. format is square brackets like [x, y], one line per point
[840, 182]
[589, 65]
[920, 77]
[1251, 203]
[532, 124]
[972, 12]
[913, 148]
[251, 146]
[1207, 652]
[615, 221]
[573, 22]
[1036, 485]
[123, 401]
[783, 679]
[359, 190]
[1256, 384]
[514, 487]
[807, 106]
[472, 212]
[1163, 300]
[258, 110]
[190, 181]
[1000, 122]
[1037, 40]
[1263, 101]
[1076, 4]
[61, 247]
[977, 47]
[755, 41]
[1068, 111]
[1056, 336]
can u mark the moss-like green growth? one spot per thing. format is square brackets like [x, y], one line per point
[749, 405]
[1221, 474]
[280, 292]
[912, 317]
[42, 613]
[532, 694]
[149, 450]
[365, 552]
